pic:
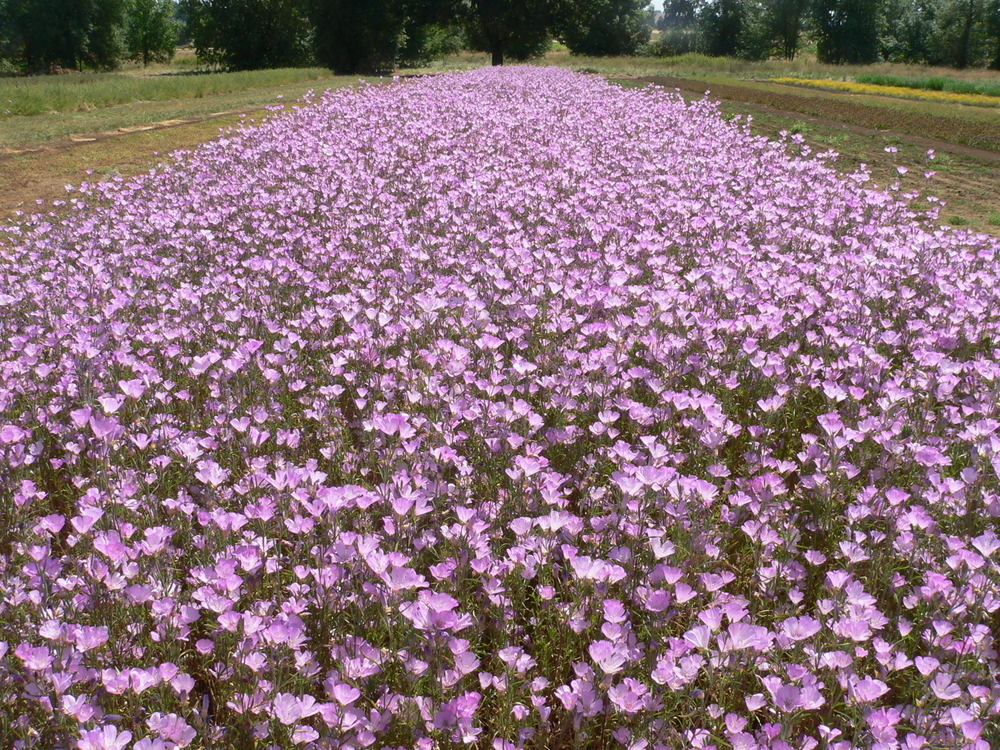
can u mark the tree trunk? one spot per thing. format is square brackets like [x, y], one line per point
[963, 50]
[497, 54]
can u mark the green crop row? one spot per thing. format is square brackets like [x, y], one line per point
[933, 83]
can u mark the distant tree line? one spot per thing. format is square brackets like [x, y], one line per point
[48, 35]
[378, 35]
[349, 36]
[957, 33]
[374, 36]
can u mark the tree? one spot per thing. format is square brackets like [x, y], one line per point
[678, 28]
[425, 41]
[722, 23]
[783, 20]
[70, 34]
[678, 14]
[993, 31]
[9, 46]
[358, 37]
[250, 34]
[602, 27]
[151, 31]
[960, 33]
[910, 37]
[520, 29]
[847, 31]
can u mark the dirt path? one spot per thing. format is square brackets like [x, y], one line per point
[41, 173]
[77, 140]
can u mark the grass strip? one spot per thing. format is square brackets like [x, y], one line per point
[933, 83]
[32, 96]
[983, 135]
[25, 131]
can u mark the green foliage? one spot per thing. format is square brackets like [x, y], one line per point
[960, 33]
[722, 23]
[602, 27]
[43, 35]
[39, 95]
[678, 14]
[783, 21]
[375, 36]
[757, 41]
[8, 45]
[250, 34]
[520, 29]
[353, 37]
[933, 83]
[151, 31]
[993, 31]
[424, 42]
[748, 29]
[678, 29]
[909, 37]
[847, 30]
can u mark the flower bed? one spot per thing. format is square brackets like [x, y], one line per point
[905, 92]
[508, 408]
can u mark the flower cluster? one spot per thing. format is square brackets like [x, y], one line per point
[509, 409]
[904, 92]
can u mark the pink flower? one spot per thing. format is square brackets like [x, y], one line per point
[987, 543]
[172, 728]
[211, 473]
[345, 695]
[610, 657]
[12, 434]
[930, 457]
[926, 664]
[106, 737]
[77, 707]
[132, 388]
[866, 689]
[286, 708]
[944, 687]
[628, 696]
[105, 427]
[743, 635]
[656, 600]
[800, 628]
[38, 658]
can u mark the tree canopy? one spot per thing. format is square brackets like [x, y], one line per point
[602, 27]
[151, 31]
[847, 30]
[376, 36]
[248, 34]
[44, 35]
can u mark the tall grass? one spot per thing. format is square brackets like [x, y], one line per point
[934, 83]
[82, 91]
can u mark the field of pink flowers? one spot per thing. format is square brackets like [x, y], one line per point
[506, 409]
